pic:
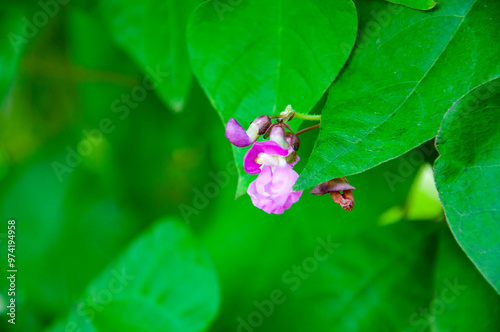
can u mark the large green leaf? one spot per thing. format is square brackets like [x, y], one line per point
[408, 69]
[154, 33]
[256, 57]
[416, 4]
[163, 282]
[468, 174]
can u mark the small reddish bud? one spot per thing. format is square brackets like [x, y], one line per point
[345, 200]
[293, 141]
[334, 187]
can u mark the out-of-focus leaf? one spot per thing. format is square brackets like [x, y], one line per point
[158, 156]
[154, 33]
[162, 282]
[468, 174]
[34, 198]
[422, 203]
[12, 47]
[353, 284]
[365, 284]
[416, 4]
[408, 69]
[74, 235]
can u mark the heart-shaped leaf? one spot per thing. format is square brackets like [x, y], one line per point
[468, 174]
[408, 69]
[257, 57]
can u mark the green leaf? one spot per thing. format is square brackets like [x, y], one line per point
[154, 33]
[408, 69]
[163, 282]
[257, 57]
[416, 4]
[468, 174]
[461, 294]
[38, 215]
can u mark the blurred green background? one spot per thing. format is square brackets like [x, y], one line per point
[143, 233]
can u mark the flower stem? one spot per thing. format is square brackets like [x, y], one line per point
[288, 127]
[307, 117]
[307, 129]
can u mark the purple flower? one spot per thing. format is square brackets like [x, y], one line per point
[272, 190]
[241, 137]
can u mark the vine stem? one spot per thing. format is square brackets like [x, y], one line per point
[300, 116]
[307, 117]
[307, 129]
[288, 127]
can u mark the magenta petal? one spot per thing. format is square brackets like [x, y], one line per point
[236, 134]
[268, 147]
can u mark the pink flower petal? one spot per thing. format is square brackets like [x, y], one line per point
[272, 191]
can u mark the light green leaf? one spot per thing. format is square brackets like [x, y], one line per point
[408, 69]
[416, 4]
[154, 33]
[468, 174]
[422, 202]
[163, 282]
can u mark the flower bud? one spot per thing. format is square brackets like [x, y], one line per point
[241, 138]
[293, 141]
[263, 122]
[345, 200]
[237, 135]
[278, 136]
[334, 187]
[287, 114]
